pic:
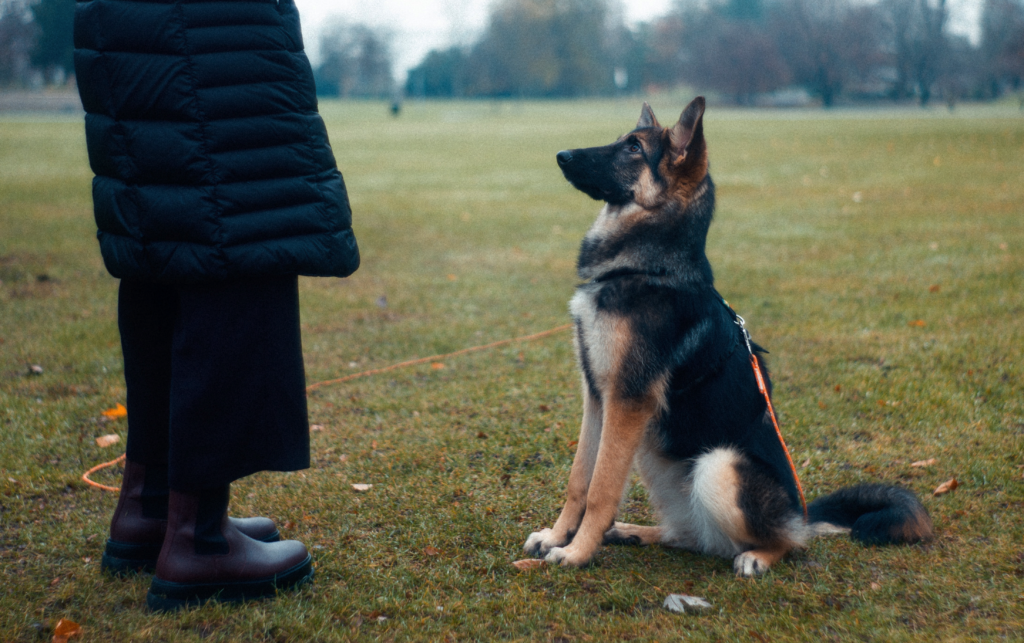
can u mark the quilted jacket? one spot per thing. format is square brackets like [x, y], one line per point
[211, 159]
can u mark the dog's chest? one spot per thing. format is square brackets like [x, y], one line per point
[600, 336]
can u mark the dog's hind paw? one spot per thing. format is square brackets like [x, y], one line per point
[541, 542]
[749, 564]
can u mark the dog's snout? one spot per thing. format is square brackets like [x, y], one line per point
[564, 157]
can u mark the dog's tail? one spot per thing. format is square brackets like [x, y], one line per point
[875, 514]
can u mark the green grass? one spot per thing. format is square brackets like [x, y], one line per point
[834, 232]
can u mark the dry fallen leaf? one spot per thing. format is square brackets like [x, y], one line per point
[316, 427]
[107, 440]
[946, 487]
[288, 524]
[362, 487]
[35, 369]
[806, 463]
[117, 412]
[924, 463]
[934, 288]
[66, 629]
[431, 551]
[920, 323]
[875, 586]
[437, 366]
[528, 563]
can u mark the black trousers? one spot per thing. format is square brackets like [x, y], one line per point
[215, 380]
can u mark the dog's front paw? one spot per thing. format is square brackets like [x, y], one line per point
[749, 564]
[541, 542]
[566, 557]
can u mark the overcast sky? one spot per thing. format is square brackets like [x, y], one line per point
[422, 25]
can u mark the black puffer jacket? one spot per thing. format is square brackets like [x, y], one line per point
[211, 160]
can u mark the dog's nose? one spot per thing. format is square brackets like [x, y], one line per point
[564, 157]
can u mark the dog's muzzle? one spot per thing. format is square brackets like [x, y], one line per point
[564, 158]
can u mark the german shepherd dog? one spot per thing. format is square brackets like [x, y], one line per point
[669, 383]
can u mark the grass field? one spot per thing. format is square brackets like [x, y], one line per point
[878, 255]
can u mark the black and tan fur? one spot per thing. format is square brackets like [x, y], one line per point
[668, 384]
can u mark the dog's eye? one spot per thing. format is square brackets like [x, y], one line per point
[635, 148]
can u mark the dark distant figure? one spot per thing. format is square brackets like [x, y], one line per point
[396, 108]
[215, 188]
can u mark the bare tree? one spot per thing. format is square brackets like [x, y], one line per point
[356, 61]
[919, 45]
[1002, 45]
[666, 54]
[17, 33]
[735, 57]
[827, 44]
[441, 73]
[53, 50]
[543, 48]
[932, 51]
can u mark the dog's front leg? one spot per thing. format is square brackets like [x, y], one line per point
[625, 422]
[541, 542]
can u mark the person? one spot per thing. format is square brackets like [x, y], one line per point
[215, 188]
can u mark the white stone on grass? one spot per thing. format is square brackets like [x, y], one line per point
[683, 604]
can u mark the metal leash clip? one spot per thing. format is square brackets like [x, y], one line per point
[746, 335]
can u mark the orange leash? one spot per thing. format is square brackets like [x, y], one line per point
[85, 476]
[767, 398]
[778, 432]
[433, 358]
[375, 371]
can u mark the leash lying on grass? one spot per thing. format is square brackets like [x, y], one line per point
[375, 371]
[503, 342]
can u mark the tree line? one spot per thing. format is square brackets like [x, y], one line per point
[35, 41]
[741, 50]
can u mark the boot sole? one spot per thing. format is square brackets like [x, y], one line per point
[122, 559]
[166, 596]
[125, 559]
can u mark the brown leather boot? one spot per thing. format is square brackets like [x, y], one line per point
[206, 557]
[140, 522]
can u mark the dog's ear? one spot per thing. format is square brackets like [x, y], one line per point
[647, 118]
[688, 134]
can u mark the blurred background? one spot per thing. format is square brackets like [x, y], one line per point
[745, 52]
